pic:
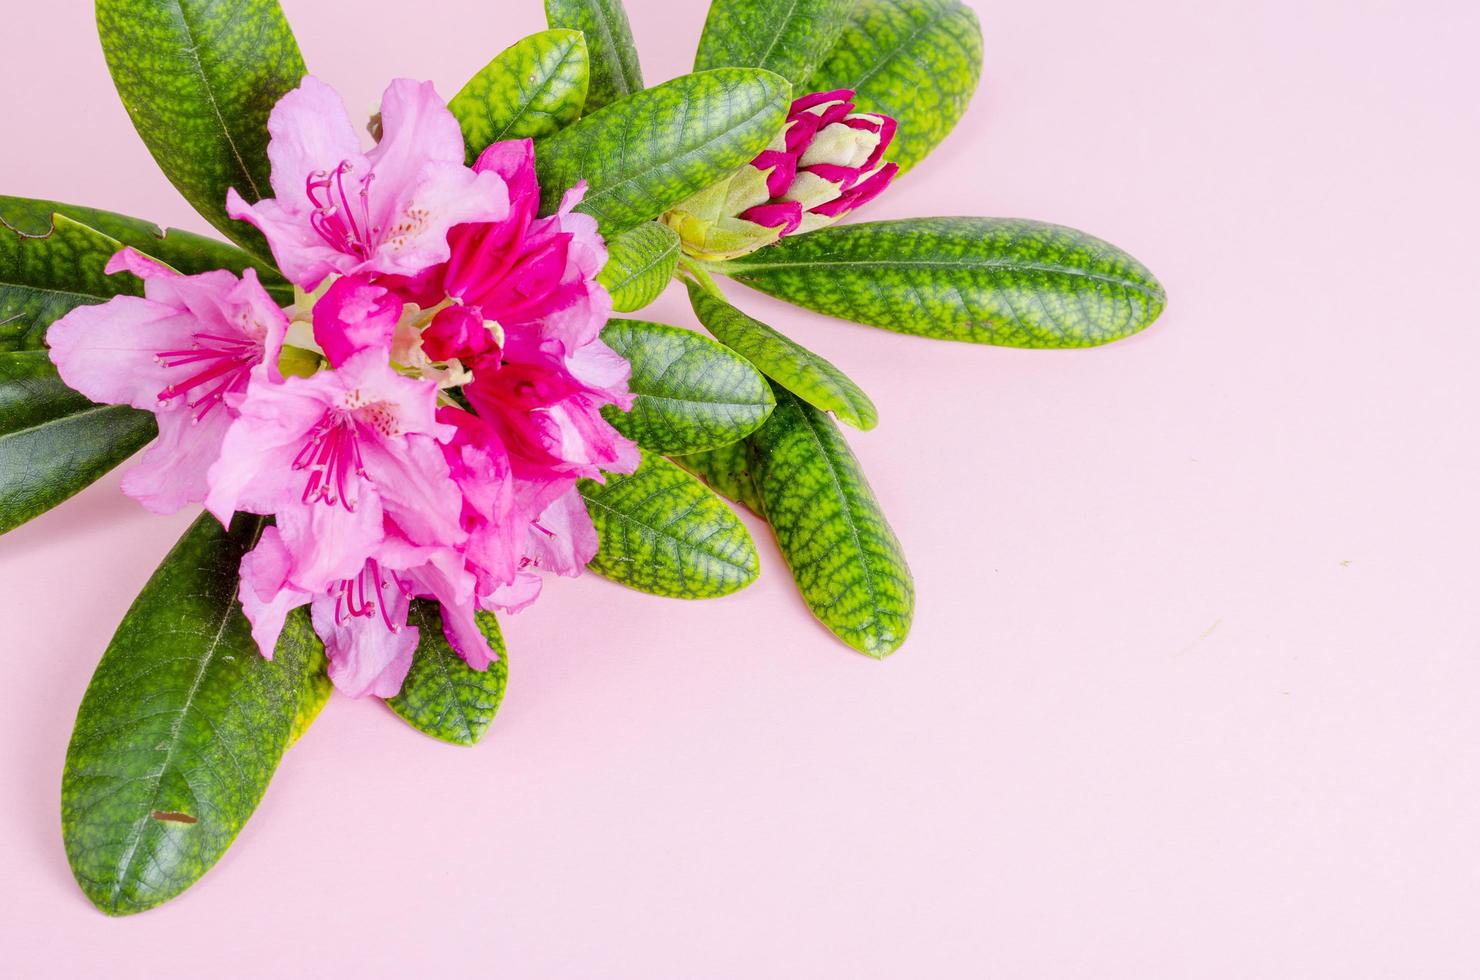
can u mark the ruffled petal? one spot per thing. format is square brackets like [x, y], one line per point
[266, 596]
[109, 351]
[365, 657]
[310, 130]
[172, 471]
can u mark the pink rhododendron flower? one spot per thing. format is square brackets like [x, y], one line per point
[336, 457]
[339, 208]
[827, 162]
[182, 351]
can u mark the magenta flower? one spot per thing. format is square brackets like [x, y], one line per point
[827, 162]
[183, 351]
[520, 271]
[341, 209]
[336, 457]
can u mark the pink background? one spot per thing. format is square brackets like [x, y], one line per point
[1192, 690]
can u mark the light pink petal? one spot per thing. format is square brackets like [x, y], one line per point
[329, 542]
[172, 471]
[524, 590]
[108, 351]
[266, 596]
[415, 488]
[301, 253]
[448, 194]
[365, 657]
[563, 539]
[447, 581]
[310, 130]
[599, 367]
[412, 402]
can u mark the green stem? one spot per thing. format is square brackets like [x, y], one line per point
[700, 275]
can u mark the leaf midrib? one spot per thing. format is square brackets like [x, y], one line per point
[739, 271]
[627, 518]
[193, 51]
[137, 834]
[543, 89]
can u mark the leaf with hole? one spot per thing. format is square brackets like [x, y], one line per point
[640, 263]
[442, 696]
[1000, 281]
[916, 60]
[759, 34]
[199, 78]
[664, 532]
[841, 551]
[809, 376]
[53, 441]
[181, 728]
[615, 72]
[535, 87]
[643, 154]
[692, 394]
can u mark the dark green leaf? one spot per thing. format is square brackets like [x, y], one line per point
[760, 34]
[183, 251]
[614, 69]
[46, 271]
[692, 394]
[533, 88]
[650, 150]
[989, 280]
[199, 78]
[181, 728]
[727, 470]
[916, 60]
[442, 696]
[53, 441]
[809, 376]
[639, 265]
[664, 532]
[844, 556]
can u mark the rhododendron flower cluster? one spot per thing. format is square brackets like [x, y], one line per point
[417, 422]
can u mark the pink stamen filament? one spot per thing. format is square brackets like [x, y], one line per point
[229, 359]
[334, 215]
[331, 453]
[369, 579]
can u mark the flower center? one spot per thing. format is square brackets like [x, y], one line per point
[341, 220]
[221, 365]
[364, 595]
[330, 455]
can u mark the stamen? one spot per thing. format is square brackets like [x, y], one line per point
[345, 606]
[331, 454]
[226, 361]
[334, 216]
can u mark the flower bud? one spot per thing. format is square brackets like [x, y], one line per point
[354, 315]
[826, 162]
[461, 332]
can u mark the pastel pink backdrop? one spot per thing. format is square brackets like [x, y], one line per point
[1193, 689]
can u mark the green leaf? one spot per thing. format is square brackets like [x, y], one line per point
[640, 262]
[758, 34]
[615, 72]
[181, 728]
[442, 696]
[650, 150]
[199, 78]
[44, 275]
[53, 441]
[535, 87]
[988, 280]
[916, 60]
[809, 376]
[726, 469]
[842, 553]
[664, 532]
[692, 394]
